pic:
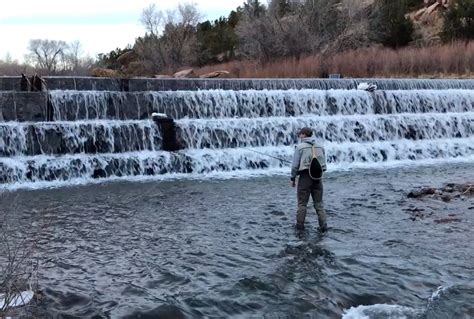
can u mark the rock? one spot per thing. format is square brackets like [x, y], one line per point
[105, 73]
[99, 173]
[188, 73]
[214, 74]
[162, 76]
[432, 8]
[447, 220]
[444, 3]
[419, 14]
[422, 192]
[446, 198]
[447, 193]
[126, 58]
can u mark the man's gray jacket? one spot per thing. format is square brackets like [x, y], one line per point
[303, 155]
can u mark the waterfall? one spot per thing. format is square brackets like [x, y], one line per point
[108, 134]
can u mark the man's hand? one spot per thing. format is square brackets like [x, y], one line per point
[292, 183]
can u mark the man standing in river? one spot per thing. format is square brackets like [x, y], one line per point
[306, 184]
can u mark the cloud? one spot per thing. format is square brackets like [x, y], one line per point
[100, 25]
[94, 39]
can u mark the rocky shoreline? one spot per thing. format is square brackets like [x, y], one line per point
[449, 193]
[446, 193]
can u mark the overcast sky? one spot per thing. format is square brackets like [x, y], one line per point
[100, 25]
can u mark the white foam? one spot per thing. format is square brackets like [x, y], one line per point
[226, 175]
[17, 300]
[437, 293]
[380, 311]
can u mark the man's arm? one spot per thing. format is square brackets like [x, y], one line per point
[295, 165]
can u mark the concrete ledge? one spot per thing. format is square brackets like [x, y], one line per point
[24, 106]
[150, 84]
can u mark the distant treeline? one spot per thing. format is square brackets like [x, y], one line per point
[258, 34]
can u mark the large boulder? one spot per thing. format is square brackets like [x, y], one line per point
[105, 73]
[188, 73]
[126, 58]
[214, 74]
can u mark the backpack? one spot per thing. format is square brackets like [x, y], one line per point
[315, 168]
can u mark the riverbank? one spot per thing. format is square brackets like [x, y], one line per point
[449, 61]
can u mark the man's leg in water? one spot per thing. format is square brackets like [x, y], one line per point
[317, 195]
[303, 193]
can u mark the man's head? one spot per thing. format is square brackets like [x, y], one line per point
[305, 132]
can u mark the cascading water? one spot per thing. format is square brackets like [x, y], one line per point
[109, 134]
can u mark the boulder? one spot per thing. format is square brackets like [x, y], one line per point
[422, 192]
[419, 14]
[447, 193]
[214, 74]
[432, 8]
[188, 73]
[105, 73]
[126, 58]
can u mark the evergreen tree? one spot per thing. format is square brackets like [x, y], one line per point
[390, 26]
[459, 21]
[218, 40]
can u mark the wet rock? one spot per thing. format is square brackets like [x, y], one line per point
[277, 213]
[99, 173]
[446, 198]
[107, 73]
[422, 192]
[447, 220]
[446, 193]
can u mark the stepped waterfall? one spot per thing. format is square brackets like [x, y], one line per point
[237, 128]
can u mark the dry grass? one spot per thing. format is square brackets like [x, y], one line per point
[446, 61]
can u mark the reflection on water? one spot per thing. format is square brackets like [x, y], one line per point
[228, 248]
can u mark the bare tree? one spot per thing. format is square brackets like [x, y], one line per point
[179, 35]
[72, 56]
[152, 19]
[188, 15]
[170, 39]
[279, 31]
[46, 54]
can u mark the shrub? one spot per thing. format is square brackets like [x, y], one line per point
[459, 21]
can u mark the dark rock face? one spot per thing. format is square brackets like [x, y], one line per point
[23, 106]
[168, 133]
[422, 192]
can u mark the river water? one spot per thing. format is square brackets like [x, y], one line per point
[226, 248]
